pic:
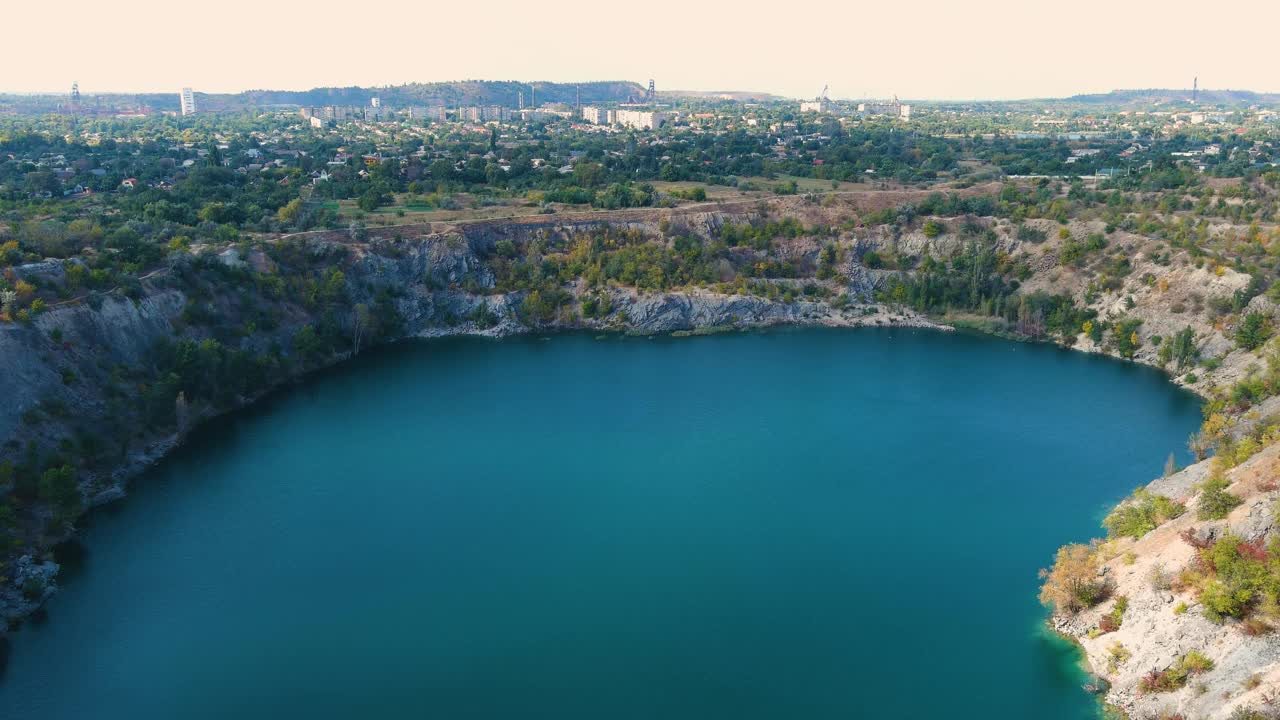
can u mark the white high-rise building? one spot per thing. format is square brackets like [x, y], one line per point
[639, 119]
[188, 102]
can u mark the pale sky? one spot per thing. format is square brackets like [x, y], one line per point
[921, 49]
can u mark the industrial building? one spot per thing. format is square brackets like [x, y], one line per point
[882, 109]
[820, 104]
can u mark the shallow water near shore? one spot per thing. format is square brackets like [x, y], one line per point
[798, 523]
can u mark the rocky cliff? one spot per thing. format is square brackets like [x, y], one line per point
[91, 362]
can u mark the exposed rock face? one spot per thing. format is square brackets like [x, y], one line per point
[35, 583]
[66, 357]
[670, 312]
[442, 278]
[1166, 293]
[1156, 629]
[119, 331]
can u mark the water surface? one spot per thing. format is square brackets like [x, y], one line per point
[797, 524]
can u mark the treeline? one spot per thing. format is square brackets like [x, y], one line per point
[982, 281]
[635, 259]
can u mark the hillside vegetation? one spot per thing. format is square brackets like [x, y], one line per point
[156, 274]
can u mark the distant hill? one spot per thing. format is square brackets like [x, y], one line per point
[1163, 96]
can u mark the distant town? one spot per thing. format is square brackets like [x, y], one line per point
[412, 149]
[635, 107]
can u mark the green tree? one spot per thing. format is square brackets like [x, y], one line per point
[58, 487]
[827, 262]
[370, 200]
[588, 174]
[1252, 331]
[1182, 349]
[288, 213]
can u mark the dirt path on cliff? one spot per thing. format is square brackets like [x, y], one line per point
[864, 200]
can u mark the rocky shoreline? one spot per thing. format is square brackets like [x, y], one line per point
[442, 282]
[1162, 622]
[671, 314]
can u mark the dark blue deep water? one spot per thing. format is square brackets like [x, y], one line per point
[797, 524]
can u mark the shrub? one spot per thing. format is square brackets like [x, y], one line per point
[1117, 655]
[1215, 502]
[1111, 621]
[541, 305]
[483, 317]
[1158, 578]
[506, 249]
[59, 488]
[1195, 662]
[1238, 576]
[1255, 626]
[1026, 233]
[1190, 537]
[1176, 675]
[1142, 513]
[1124, 337]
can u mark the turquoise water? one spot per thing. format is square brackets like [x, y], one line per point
[796, 524]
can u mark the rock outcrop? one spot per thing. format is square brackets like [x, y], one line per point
[1164, 619]
[74, 360]
[86, 356]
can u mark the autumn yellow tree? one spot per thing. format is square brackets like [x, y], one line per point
[1072, 583]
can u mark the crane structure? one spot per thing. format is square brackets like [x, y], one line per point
[820, 104]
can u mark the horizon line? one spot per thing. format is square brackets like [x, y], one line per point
[40, 93]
